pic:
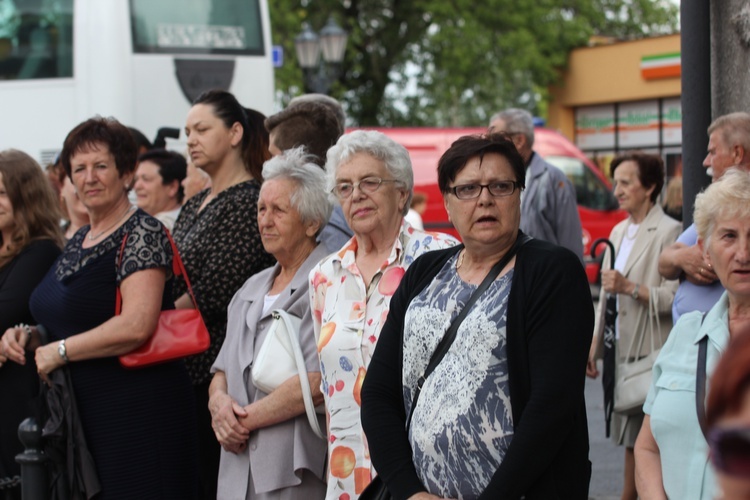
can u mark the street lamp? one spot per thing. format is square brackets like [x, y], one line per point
[319, 76]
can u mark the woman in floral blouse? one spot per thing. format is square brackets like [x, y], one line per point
[371, 176]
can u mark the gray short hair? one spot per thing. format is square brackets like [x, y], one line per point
[735, 130]
[517, 121]
[728, 197]
[394, 156]
[310, 198]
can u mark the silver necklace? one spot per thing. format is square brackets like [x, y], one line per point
[93, 237]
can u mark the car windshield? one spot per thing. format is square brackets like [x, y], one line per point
[591, 192]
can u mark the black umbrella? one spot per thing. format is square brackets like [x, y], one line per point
[608, 361]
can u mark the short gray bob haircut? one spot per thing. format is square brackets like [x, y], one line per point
[517, 121]
[727, 198]
[310, 197]
[394, 156]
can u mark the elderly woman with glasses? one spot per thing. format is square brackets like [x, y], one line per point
[502, 415]
[371, 177]
[671, 455]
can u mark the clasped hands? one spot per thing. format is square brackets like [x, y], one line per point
[225, 415]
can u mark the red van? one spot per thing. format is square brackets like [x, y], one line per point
[597, 206]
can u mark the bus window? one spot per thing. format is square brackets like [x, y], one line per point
[36, 39]
[197, 27]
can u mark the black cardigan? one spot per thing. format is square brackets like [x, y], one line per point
[549, 327]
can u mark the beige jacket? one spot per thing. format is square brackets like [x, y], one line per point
[657, 231]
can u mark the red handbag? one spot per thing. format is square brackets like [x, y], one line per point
[179, 333]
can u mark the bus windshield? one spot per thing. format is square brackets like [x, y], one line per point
[36, 39]
[197, 27]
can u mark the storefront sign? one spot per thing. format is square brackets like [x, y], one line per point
[595, 127]
[638, 124]
[661, 66]
[671, 121]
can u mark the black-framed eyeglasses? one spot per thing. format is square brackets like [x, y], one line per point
[730, 450]
[497, 189]
[368, 185]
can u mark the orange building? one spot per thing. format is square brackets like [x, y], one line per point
[622, 96]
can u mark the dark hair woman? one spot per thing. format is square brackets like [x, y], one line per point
[30, 241]
[503, 414]
[142, 417]
[158, 184]
[643, 297]
[217, 235]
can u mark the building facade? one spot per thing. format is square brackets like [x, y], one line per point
[616, 97]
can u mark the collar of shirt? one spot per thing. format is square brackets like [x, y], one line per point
[348, 255]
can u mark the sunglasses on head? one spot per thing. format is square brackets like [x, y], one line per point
[730, 450]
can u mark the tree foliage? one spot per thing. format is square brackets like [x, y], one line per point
[455, 62]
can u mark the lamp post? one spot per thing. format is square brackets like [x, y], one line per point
[320, 75]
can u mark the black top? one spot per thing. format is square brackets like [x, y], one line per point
[221, 248]
[135, 421]
[19, 384]
[549, 325]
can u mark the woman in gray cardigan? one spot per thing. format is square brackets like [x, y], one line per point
[269, 449]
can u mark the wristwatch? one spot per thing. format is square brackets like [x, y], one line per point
[62, 351]
[635, 292]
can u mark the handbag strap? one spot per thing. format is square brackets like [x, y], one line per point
[301, 369]
[700, 382]
[450, 334]
[178, 269]
[637, 341]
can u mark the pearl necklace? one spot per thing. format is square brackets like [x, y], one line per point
[630, 229]
[93, 237]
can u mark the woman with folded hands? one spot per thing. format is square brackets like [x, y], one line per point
[269, 449]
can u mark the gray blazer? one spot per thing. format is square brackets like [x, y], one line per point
[274, 455]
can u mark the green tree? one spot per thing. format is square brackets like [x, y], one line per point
[455, 62]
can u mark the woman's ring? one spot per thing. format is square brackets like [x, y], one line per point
[701, 271]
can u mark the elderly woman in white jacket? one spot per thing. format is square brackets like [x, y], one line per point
[269, 449]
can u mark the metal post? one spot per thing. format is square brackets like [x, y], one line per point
[33, 461]
[695, 46]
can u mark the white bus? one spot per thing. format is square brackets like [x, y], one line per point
[141, 61]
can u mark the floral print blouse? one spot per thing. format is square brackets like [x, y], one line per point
[347, 317]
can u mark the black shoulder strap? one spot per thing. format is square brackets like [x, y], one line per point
[450, 334]
[700, 382]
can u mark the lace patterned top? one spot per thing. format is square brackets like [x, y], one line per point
[147, 247]
[221, 248]
[133, 417]
[465, 402]
[348, 316]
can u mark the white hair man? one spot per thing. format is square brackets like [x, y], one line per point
[699, 290]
